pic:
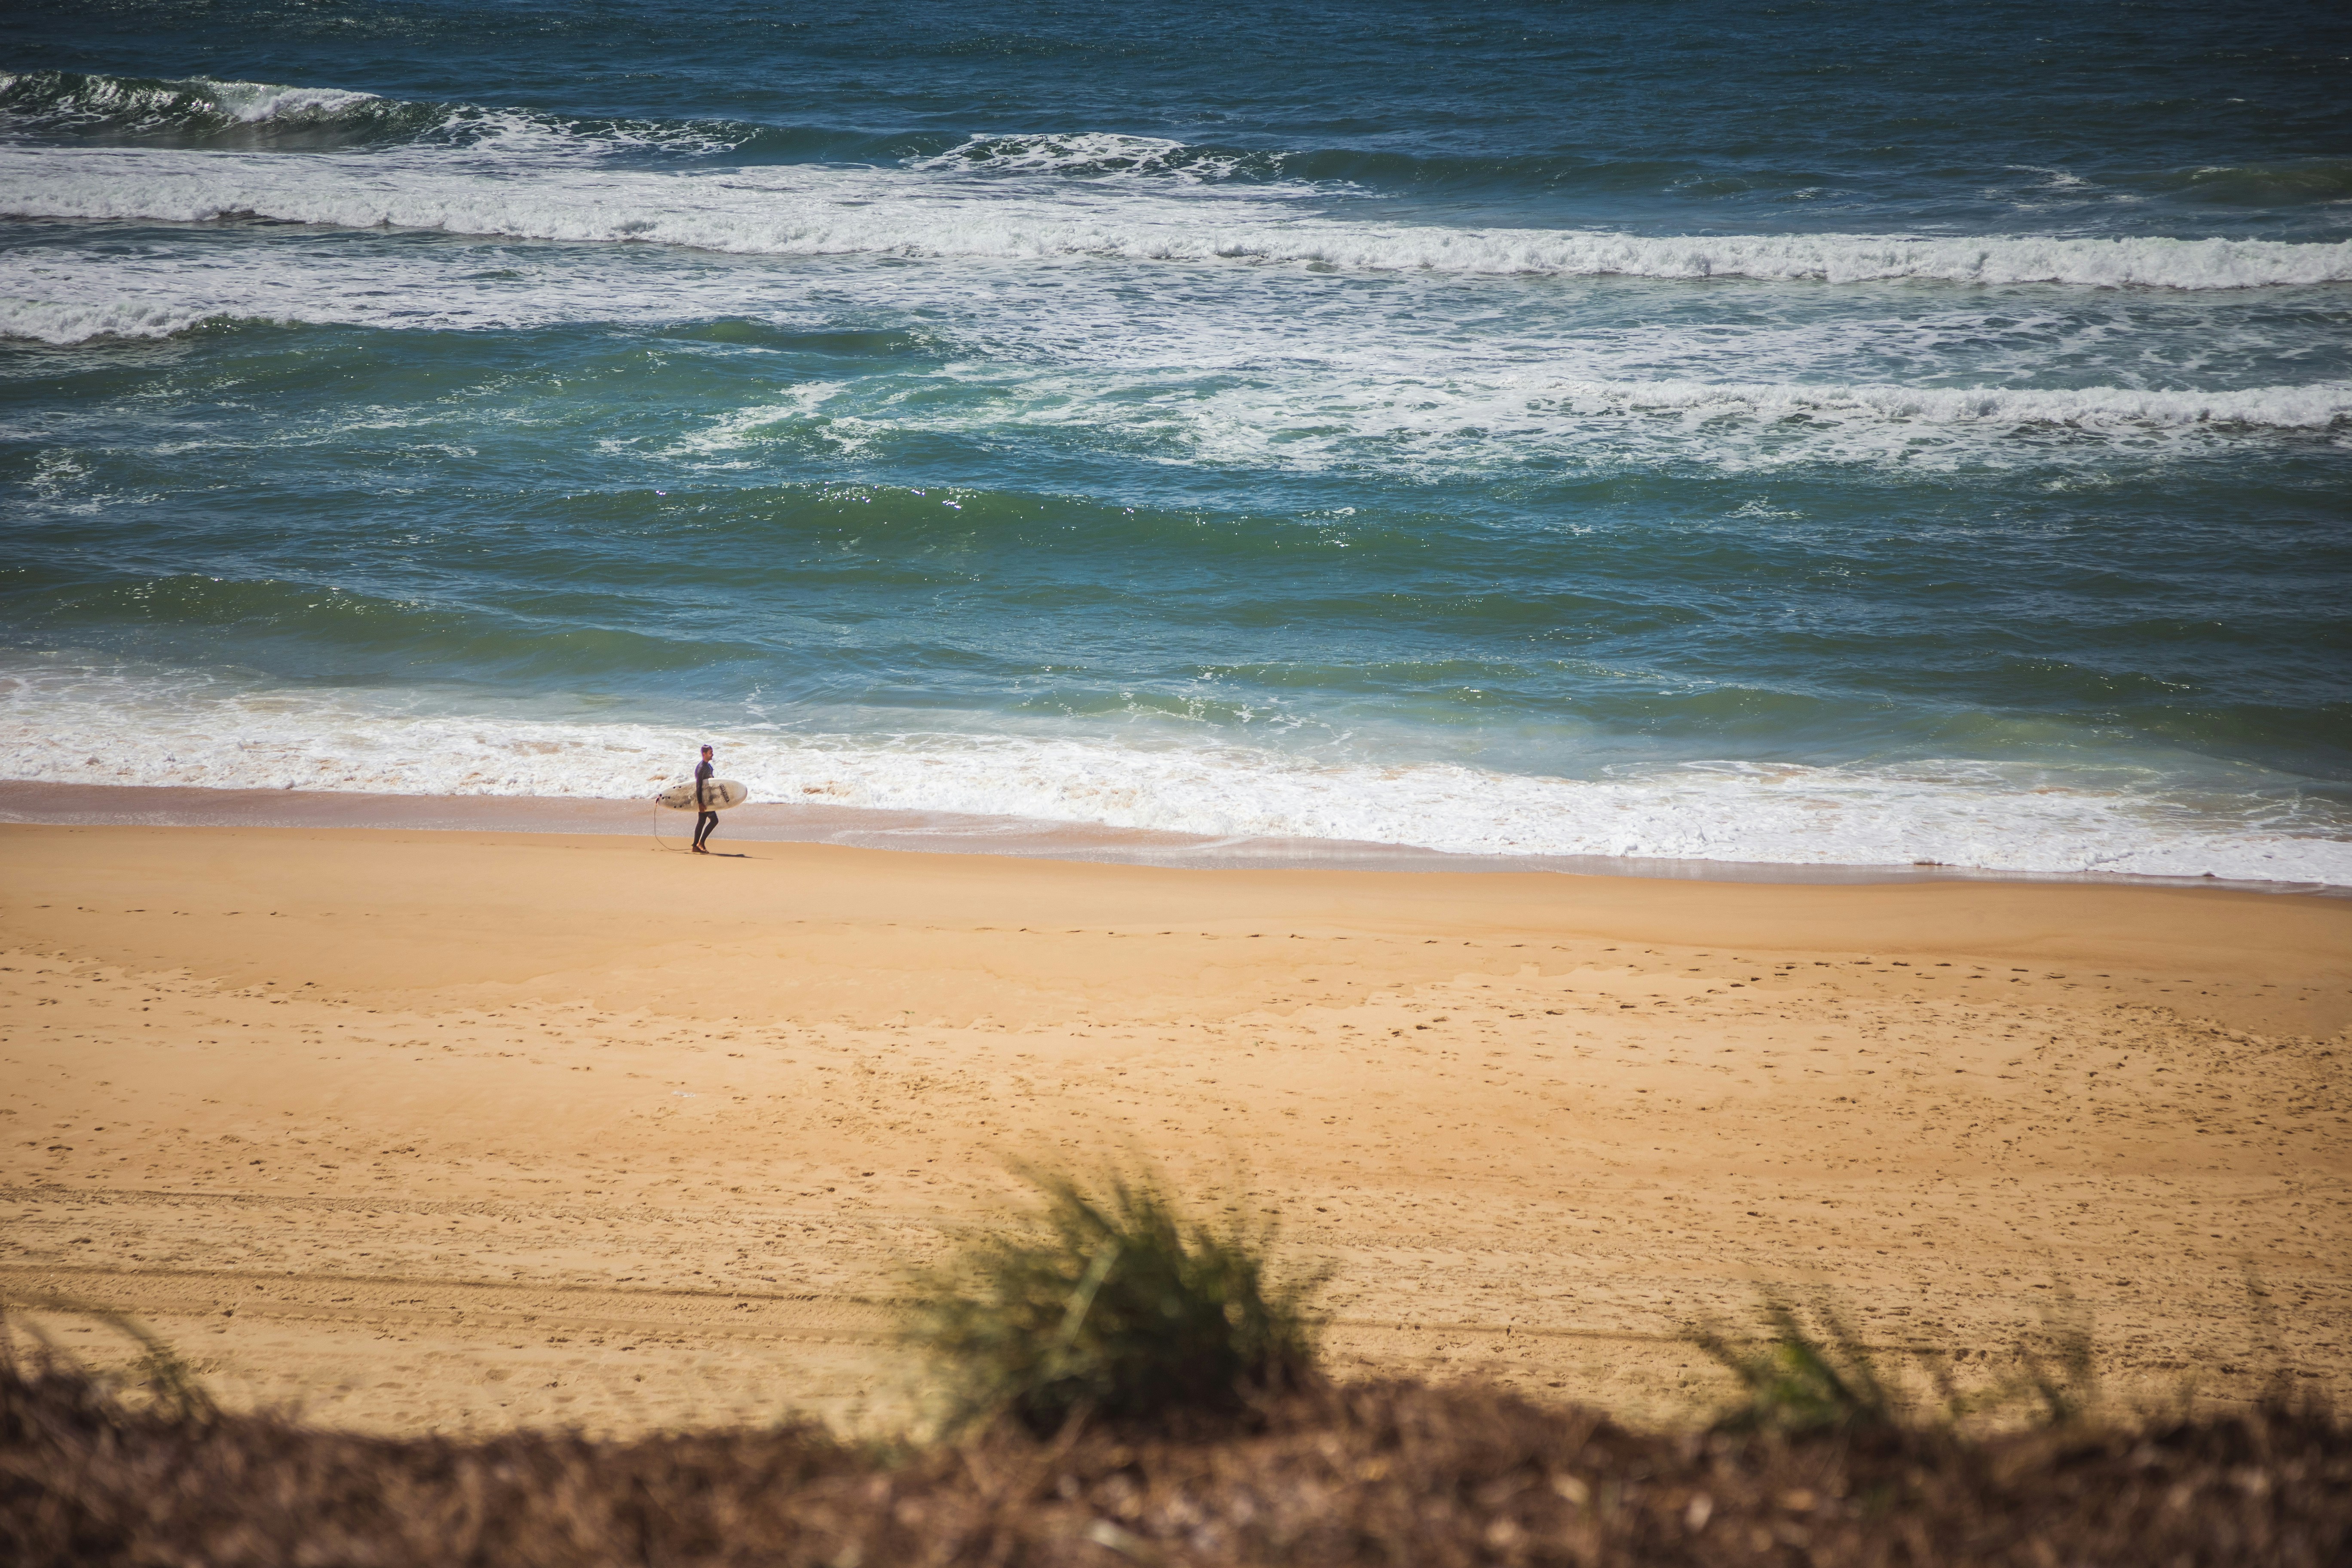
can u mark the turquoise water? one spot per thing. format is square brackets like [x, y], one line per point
[1841, 436]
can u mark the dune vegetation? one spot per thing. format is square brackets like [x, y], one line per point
[1121, 1383]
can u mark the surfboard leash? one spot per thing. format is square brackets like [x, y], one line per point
[660, 843]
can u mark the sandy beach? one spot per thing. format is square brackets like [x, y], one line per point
[438, 1130]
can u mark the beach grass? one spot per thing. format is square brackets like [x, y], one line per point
[1807, 1370]
[1801, 1376]
[1115, 1299]
[1133, 1382]
[95, 1474]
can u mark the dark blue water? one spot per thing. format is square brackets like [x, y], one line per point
[1853, 434]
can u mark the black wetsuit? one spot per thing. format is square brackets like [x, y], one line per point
[708, 820]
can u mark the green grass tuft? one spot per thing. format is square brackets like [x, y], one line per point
[1801, 1379]
[1113, 1303]
[1803, 1375]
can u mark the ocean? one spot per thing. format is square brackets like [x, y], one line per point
[1835, 435]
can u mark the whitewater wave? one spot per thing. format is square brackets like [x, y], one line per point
[86, 727]
[1474, 419]
[1078, 361]
[204, 111]
[2312, 407]
[840, 210]
[62, 322]
[1427, 428]
[1099, 155]
[70, 102]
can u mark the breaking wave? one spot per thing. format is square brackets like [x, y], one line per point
[2312, 407]
[832, 209]
[1391, 426]
[199, 111]
[75, 726]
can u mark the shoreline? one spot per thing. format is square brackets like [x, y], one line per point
[40, 802]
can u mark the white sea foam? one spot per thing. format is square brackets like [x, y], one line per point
[1094, 154]
[253, 103]
[97, 727]
[247, 100]
[2088, 407]
[137, 105]
[1424, 373]
[46, 102]
[1260, 370]
[821, 210]
[63, 321]
[1465, 422]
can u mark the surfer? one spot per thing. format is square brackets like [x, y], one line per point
[708, 819]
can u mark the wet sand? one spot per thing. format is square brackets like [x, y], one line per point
[451, 1130]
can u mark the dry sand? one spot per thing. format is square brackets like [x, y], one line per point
[444, 1131]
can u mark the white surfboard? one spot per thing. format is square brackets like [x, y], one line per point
[717, 795]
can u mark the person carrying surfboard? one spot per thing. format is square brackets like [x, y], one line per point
[708, 818]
